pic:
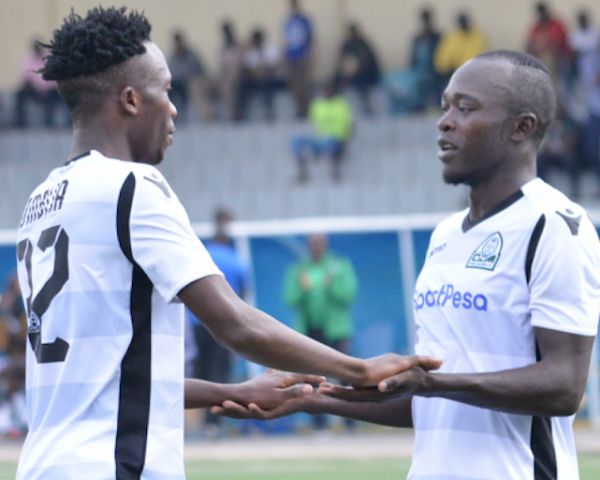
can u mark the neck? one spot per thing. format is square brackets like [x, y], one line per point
[105, 138]
[487, 194]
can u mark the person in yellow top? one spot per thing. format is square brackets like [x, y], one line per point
[458, 46]
[331, 118]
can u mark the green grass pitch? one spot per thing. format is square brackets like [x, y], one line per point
[388, 469]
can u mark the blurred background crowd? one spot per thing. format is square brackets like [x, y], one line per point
[255, 78]
[252, 123]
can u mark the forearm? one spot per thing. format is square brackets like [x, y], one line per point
[536, 389]
[395, 412]
[271, 343]
[203, 394]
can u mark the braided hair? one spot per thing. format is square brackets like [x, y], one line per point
[90, 45]
[88, 55]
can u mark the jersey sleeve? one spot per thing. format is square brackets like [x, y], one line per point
[162, 240]
[564, 283]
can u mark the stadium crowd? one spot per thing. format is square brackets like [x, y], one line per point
[252, 72]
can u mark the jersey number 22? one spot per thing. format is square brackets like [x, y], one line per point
[57, 238]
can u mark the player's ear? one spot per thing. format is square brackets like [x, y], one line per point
[524, 126]
[129, 101]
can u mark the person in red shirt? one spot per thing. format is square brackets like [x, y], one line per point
[547, 40]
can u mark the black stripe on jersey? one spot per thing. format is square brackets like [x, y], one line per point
[123, 215]
[542, 443]
[134, 390]
[533, 243]
[542, 447]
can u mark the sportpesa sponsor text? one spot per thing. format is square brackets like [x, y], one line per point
[448, 296]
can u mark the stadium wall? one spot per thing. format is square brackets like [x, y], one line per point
[387, 253]
[390, 24]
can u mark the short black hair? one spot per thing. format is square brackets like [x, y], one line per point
[542, 8]
[532, 88]
[178, 36]
[86, 53]
[221, 214]
[426, 14]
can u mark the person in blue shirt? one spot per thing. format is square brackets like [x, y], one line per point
[214, 362]
[298, 34]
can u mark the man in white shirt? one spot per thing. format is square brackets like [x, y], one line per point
[106, 255]
[508, 298]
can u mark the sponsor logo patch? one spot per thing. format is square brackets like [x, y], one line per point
[448, 296]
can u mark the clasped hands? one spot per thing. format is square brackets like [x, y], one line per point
[275, 394]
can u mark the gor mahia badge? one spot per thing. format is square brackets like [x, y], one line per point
[487, 254]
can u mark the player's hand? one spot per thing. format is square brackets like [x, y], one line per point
[274, 387]
[232, 409]
[382, 368]
[405, 383]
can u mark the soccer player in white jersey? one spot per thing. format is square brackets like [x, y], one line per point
[508, 298]
[105, 253]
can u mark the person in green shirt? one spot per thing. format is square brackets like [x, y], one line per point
[330, 116]
[321, 288]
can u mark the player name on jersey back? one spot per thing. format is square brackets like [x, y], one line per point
[41, 204]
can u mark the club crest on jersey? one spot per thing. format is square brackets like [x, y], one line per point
[487, 254]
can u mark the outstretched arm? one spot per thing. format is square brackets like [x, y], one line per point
[262, 339]
[393, 412]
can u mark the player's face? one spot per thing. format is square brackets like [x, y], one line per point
[155, 125]
[475, 121]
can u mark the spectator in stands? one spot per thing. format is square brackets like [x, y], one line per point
[562, 150]
[12, 362]
[215, 362]
[298, 34]
[459, 45]
[230, 67]
[4, 122]
[321, 288]
[358, 65]
[547, 40]
[422, 53]
[33, 88]
[187, 72]
[584, 41]
[260, 75]
[331, 119]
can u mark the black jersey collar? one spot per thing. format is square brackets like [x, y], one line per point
[468, 224]
[78, 157]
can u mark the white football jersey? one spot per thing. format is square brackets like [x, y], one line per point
[533, 262]
[104, 246]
